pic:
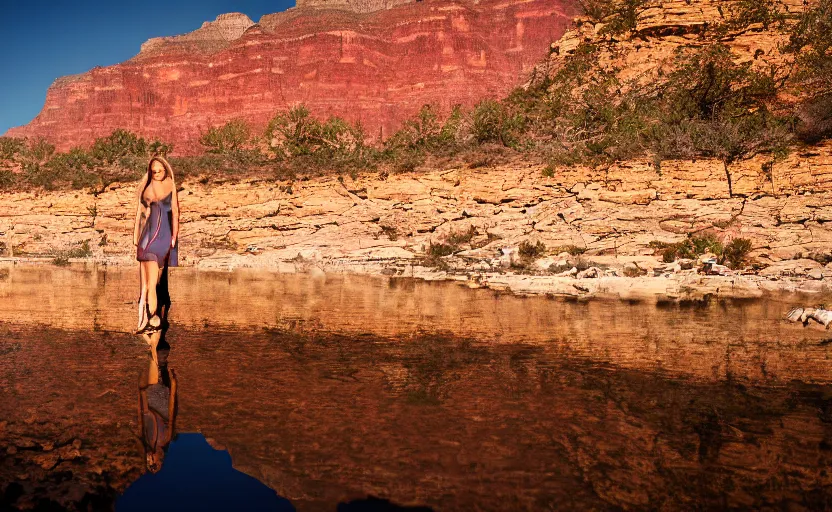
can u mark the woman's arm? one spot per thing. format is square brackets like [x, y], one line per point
[174, 208]
[141, 416]
[139, 213]
[171, 407]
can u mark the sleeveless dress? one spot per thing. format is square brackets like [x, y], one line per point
[154, 241]
[156, 418]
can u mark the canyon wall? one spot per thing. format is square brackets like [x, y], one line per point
[378, 68]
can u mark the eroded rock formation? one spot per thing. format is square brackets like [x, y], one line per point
[379, 68]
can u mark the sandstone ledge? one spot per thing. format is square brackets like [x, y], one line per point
[384, 225]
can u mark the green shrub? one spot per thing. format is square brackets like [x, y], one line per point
[76, 167]
[624, 16]
[690, 248]
[424, 131]
[441, 249]
[493, 122]
[40, 150]
[302, 143]
[61, 257]
[228, 138]
[456, 238]
[117, 145]
[810, 41]
[573, 250]
[735, 252]
[529, 250]
[7, 179]
[159, 148]
[742, 14]
[11, 147]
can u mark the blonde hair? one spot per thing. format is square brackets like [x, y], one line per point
[164, 162]
[149, 174]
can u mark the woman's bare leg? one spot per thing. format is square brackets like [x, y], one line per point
[152, 272]
[142, 294]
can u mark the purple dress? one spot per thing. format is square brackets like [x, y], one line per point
[154, 241]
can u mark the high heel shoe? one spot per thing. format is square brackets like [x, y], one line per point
[153, 326]
[152, 322]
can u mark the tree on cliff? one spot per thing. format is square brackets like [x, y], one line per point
[811, 43]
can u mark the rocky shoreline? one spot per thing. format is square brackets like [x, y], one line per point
[591, 284]
[593, 232]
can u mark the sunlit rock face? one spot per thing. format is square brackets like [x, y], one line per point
[353, 5]
[371, 61]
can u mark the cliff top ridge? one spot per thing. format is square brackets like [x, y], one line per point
[358, 6]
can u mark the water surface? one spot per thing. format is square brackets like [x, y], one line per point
[333, 389]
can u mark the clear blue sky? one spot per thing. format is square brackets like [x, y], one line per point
[41, 41]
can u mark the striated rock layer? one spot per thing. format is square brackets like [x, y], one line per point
[373, 224]
[375, 67]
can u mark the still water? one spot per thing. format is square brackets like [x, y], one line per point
[304, 393]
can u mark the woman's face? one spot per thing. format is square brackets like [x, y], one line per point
[157, 170]
[154, 460]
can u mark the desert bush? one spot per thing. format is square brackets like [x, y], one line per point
[735, 252]
[690, 248]
[7, 179]
[457, 238]
[634, 271]
[230, 137]
[77, 167]
[624, 16]
[421, 135]
[114, 147]
[732, 254]
[742, 14]
[304, 143]
[492, 121]
[810, 41]
[40, 150]
[61, 257]
[530, 250]
[572, 250]
[425, 131]
[10, 147]
[159, 148]
[619, 15]
[441, 249]
[712, 106]
[450, 244]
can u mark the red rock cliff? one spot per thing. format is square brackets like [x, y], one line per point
[373, 61]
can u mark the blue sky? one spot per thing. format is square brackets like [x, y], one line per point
[42, 41]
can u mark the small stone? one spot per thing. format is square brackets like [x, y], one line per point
[47, 460]
[590, 273]
[685, 264]
[815, 273]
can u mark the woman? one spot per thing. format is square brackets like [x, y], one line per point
[155, 235]
[157, 405]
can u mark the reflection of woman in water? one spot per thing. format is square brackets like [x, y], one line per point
[157, 404]
[155, 235]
